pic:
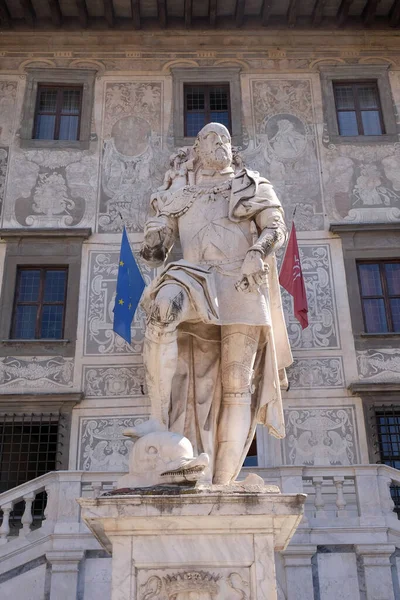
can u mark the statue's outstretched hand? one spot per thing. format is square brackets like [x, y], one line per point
[254, 273]
[155, 232]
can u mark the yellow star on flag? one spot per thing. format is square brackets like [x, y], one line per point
[121, 263]
[120, 301]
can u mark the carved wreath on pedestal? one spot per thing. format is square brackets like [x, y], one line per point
[182, 586]
[194, 585]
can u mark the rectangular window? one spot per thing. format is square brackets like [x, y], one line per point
[388, 430]
[387, 418]
[39, 306]
[58, 112]
[29, 445]
[251, 459]
[206, 104]
[358, 108]
[380, 295]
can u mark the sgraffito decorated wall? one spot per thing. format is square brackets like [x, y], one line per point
[284, 136]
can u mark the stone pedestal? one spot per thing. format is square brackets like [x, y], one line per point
[208, 545]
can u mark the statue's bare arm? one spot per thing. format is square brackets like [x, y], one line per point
[159, 237]
[271, 225]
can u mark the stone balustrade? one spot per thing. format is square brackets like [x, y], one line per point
[350, 496]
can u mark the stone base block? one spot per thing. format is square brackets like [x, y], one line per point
[208, 545]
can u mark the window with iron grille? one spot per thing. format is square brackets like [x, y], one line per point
[39, 305]
[387, 419]
[58, 112]
[206, 104]
[29, 447]
[358, 108]
[388, 434]
[380, 295]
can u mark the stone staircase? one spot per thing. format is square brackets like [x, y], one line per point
[55, 557]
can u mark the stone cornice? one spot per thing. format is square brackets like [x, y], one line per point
[340, 228]
[81, 233]
[360, 388]
[373, 42]
[34, 401]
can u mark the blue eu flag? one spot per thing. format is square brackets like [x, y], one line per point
[130, 286]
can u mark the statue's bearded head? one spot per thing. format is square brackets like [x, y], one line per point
[213, 147]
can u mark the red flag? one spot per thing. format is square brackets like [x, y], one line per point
[291, 278]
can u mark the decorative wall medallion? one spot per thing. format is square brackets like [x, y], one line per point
[133, 156]
[51, 188]
[316, 373]
[36, 373]
[322, 331]
[285, 146]
[117, 381]
[99, 335]
[102, 445]
[362, 183]
[379, 365]
[321, 436]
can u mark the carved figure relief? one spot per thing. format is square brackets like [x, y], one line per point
[285, 146]
[321, 436]
[362, 183]
[103, 446]
[159, 584]
[118, 381]
[379, 365]
[133, 157]
[314, 373]
[99, 335]
[8, 93]
[36, 373]
[51, 188]
[322, 331]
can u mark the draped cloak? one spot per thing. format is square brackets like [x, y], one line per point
[197, 389]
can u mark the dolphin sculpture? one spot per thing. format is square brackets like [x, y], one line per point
[161, 457]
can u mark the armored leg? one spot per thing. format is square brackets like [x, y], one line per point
[160, 351]
[238, 353]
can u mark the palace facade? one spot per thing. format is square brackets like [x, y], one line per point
[95, 97]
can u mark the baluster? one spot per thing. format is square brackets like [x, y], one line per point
[27, 517]
[386, 500]
[319, 502]
[51, 510]
[340, 500]
[5, 526]
[96, 487]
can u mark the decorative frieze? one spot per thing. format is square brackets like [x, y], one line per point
[133, 159]
[8, 94]
[99, 335]
[117, 381]
[316, 373]
[51, 188]
[102, 445]
[379, 365]
[36, 373]
[286, 146]
[322, 332]
[323, 436]
[213, 584]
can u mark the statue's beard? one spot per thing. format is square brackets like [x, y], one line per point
[219, 159]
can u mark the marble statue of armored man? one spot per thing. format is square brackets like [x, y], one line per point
[216, 345]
